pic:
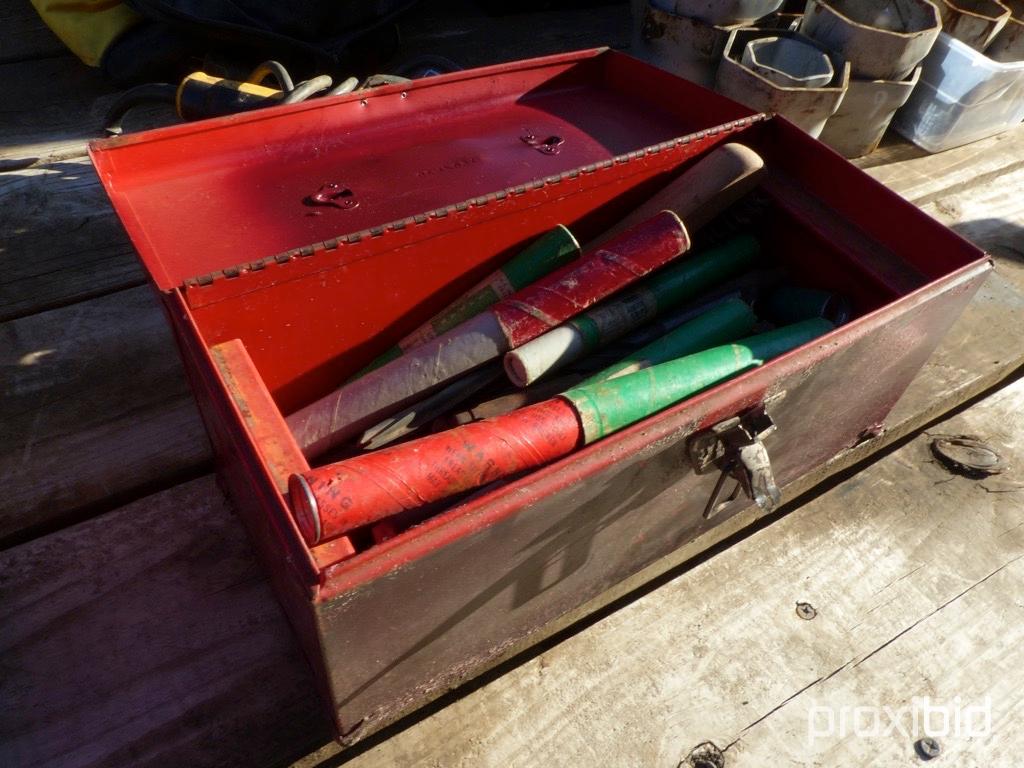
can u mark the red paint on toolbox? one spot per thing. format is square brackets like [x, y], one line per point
[566, 292]
[399, 622]
[277, 447]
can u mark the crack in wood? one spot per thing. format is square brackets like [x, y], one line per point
[928, 615]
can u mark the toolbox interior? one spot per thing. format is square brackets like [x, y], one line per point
[357, 303]
[357, 300]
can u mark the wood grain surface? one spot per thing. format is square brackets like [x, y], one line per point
[136, 628]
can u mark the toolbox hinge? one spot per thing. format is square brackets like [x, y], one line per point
[735, 449]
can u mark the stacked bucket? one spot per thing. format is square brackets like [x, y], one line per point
[840, 69]
[884, 41]
[687, 37]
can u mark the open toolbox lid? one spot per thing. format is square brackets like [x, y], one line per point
[204, 197]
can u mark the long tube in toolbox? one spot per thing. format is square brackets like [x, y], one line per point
[331, 500]
[527, 313]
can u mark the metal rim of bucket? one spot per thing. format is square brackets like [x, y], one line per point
[853, 22]
[976, 14]
[810, 80]
[840, 66]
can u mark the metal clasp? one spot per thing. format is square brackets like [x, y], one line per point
[733, 447]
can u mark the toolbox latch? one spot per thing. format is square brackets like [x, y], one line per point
[735, 449]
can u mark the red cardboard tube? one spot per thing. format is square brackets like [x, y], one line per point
[542, 305]
[337, 498]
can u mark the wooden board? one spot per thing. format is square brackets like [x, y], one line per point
[174, 566]
[170, 649]
[922, 178]
[90, 256]
[96, 412]
[52, 107]
[148, 637]
[916, 576]
[153, 675]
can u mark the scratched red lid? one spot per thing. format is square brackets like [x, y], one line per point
[200, 197]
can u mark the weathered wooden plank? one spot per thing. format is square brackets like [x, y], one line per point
[922, 178]
[62, 240]
[963, 661]
[893, 149]
[915, 575]
[51, 109]
[148, 637]
[989, 213]
[172, 652]
[25, 35]
[941, 392]
[95, 409]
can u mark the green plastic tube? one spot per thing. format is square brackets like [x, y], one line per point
[608, 406]
[544, 255]
[721, 323]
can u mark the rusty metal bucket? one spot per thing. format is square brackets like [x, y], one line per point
[1008, 45]
[808, 108]
[865, 113]
[975, 22]
[882, 39]
[683, 46]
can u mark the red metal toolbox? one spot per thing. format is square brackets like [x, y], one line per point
[274, 303]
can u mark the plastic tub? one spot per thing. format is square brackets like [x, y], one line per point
[963, 96]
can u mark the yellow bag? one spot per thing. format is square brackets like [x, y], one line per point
[87, 27]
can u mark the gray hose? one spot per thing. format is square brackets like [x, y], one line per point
[275, 68]
[307, 88]
[347, 85]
